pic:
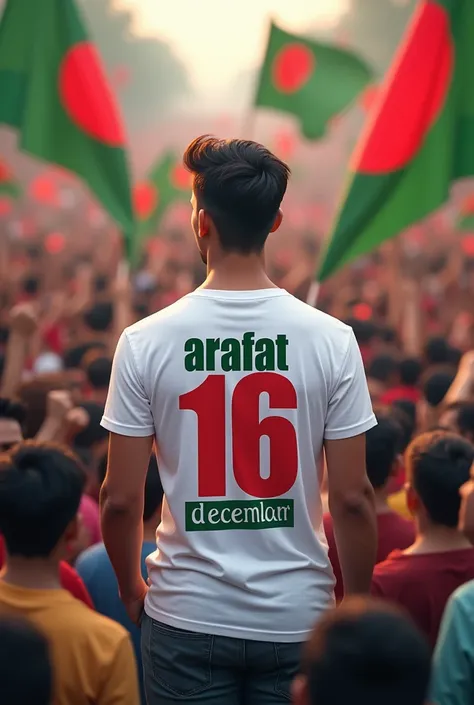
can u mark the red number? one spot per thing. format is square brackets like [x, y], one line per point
[208, 402]
[247, 431]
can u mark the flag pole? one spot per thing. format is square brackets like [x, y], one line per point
[313, 293]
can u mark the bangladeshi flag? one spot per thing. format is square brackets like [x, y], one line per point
[420, 139]
[9, 186]
[312, 81]
[167, 182]
[54, 92]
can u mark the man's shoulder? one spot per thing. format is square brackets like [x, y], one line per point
[92, 558]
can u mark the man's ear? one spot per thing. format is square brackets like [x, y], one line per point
[413, 502]
[299, 691]
[277, 222]
[203, 223]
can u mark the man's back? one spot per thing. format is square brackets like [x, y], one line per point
[92, 655]
[242, 388]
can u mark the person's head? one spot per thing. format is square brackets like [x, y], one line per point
[153, 490]
[384, 369]
[98, 373]
[364, 653]
[437, 466]
[238, 187]
[30, 286]
[12, 417]
[93, 437]
[434, 389]
[465, 421]
[40, 491]
[98, 319]
[34, 396]
[404, 412]
[436, 351]
[410, 371]
[383, 443]
[20, 644]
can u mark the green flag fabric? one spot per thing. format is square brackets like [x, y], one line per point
[312, 81]
[9, 186]
[465, 223]
[420, 139]
[54, 92]
[167, 182]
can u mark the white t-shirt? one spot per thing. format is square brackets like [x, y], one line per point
[240, 388]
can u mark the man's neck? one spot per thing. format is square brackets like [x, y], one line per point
[32, 573]
[235, 272]
[437, 539]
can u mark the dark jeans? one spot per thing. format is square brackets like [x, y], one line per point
[181, 666]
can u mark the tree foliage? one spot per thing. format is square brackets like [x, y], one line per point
[148, 78]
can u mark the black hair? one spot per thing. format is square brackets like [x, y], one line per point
[439, 464]
[382, 367]
[437, 351]
[454, 356]
[2, 364]
[410, 371]
[364, 331]
[21, 643]
[40, 491]
[101, 283]
[12, 410]
[387, 334]
[382, 445]
[98, 372]
[465, 420]
[366, 653]
[241, 185]
[31, 285]
[73, 357]
[153, 486]
[436, 387]
[404, 412]
[99, 317]
[93, 433]
[4, 335]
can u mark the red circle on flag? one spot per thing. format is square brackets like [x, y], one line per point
[467, 207]
[54, 243]
[181, 178]
[145, 199]
[86, 96]
[415, 96]
[5, 174]
[5, 206]
[292, 67]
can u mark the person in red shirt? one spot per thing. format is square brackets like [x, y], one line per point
[383, 444]
[68, 577]
[410, 371]
[422, 578]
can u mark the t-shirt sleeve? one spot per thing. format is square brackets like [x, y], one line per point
[121, 679]
[453, 661]
[350, 409]
[127, 410]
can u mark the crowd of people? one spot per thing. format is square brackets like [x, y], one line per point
[67, 638]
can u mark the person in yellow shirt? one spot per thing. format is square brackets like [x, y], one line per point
[92, 656]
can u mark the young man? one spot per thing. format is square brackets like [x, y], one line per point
[92, 657]
[383, 444]
[95, 568]
[242, 385]
[364, 653]
[422, 578]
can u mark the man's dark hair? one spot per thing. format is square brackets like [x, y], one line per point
[73, 357]
[31, 285]
[93, 433]
[437, 351]
[383, 443]
[12, 410]
[98, 372]
[241, 185]
[465, 420]
[99, 317]
[410, 371]
[438, 464]
[436, 387]
[20, 644]
[364, 331]
[40, 491]
[382, 368]
[153, 486]
[404, 412]
[366, 653]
